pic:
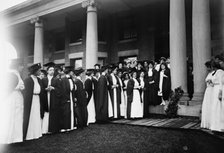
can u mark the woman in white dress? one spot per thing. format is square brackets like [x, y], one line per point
[134, 98]
[207, 101]
[217, 112]
[126, 79]
[14, 101]
[33, 109]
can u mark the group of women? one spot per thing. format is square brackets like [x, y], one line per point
[212, 116]
[66, 99]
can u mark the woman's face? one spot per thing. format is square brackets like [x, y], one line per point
[142, 74]
[120, 65]
[209, 69]
[145, 64]
[163, 67]
[150, 66]
[134, 75]
[126, 76]
[39, 73]
[50, 71]
[119, 74]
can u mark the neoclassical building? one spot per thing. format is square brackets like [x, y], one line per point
[86, 32]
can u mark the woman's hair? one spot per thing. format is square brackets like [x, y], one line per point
[166, 67]
[215, 64]
[208, 64]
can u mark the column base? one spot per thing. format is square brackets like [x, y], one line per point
[184, 100]
[198, 97]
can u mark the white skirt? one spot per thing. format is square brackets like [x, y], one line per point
[217, 115]
[91, 111]
[206, 109]
[110, 107]
[12, 131]
[136, 105]
[123, 105]
[34, 128]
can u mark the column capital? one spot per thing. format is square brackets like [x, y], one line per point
[87, 3]
[35, 20]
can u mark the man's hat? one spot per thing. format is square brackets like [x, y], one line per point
[89, 71]
[78, 71]
[68, 69]
[34, 68]
[49, 64]
[104, 67]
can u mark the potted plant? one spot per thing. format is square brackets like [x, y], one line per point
[172, 107]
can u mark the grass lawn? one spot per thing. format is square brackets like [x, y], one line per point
[119, 138]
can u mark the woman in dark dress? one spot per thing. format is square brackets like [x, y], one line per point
[164, 83]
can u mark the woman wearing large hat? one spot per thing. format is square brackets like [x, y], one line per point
[33, 108]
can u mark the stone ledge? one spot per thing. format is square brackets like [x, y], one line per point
[184, 110]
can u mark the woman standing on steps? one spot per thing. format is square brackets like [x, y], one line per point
[207, 101]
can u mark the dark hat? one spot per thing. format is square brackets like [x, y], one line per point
[97, 65]
[34, 68]
[104, 67]
[78, 71]
[68, 69]
[16, 62]
[89, 71]
[44, 72]
[58, 67]
[112, 66]
[49, 64]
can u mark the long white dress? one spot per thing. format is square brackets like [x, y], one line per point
[207, 103]
[136, 105]
[14, 109]
[125, 97]
[34, 128]
[115, 111]
[217, 115]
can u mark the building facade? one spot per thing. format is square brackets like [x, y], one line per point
[86, 32]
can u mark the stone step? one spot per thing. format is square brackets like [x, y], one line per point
[193, 110]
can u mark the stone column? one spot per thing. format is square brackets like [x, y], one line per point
[201, 45]
[91, 33]
[38, 40]
[178, 60]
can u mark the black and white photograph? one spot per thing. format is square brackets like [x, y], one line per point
[112, 76]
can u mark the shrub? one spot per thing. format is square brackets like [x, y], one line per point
[172, 107]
